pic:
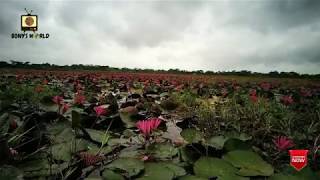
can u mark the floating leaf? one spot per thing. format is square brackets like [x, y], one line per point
[163, 151]
[236, 144]
[10, 173]
[208, 167]
[188, 154]
[280, 176]
[64, 151]
[131, 166]
[160, 171]
[108, 174]
[96, 135]
[305, 174]
[189, 177]
[66, 135]
[93, 149]
[249, 162]
[216, 142]
[4, 123]
[131, 152]
[192, 135]
[40, 167]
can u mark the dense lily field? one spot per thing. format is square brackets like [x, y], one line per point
[109, 125]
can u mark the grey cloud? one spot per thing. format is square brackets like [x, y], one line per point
[209, 35]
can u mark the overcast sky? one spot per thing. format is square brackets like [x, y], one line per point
[221, 35]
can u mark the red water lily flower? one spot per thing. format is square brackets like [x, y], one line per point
[58, 100]
[65, 108]
[147, 126]
[38, 89]
[265, 86]
[253, 95]
[100, 110]
[286, 100]
[45, 82]
[283, 143]
[79, 99]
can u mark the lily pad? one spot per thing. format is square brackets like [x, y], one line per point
[108, 174]
[216, 142]
[4, 123]
[280, 176]
[40, 168]
[163, 170]
[192, 135]
[249, 162]
[163, 151]
[209, 167]
[10, 173]
[236, 144]
[131, 152]
[65, 136]
[189, 177]
[96, 135]
[93, 149]
[64, 151]
[130, 166]
[305, 174]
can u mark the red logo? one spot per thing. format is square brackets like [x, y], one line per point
[298, 159]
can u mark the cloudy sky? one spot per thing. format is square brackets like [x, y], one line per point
[256, 35]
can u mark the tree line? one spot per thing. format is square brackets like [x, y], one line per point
[47, 66]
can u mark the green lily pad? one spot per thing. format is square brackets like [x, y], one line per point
[10, 173]
[96, 135]
[160, 171]
[64, 151]
[249, 162]
[189, 177]
[4, 123]
[40, 168]
[56, 128]
[305, 174]
[131, 166]
[208, 167]
[280, 176]
[236, 144]
[66, 135]
[131, 153]
[93, 149]
[216, 142]
[162, 151]
[187, 154]
[192, 135]
[240, 136]
[108, 174]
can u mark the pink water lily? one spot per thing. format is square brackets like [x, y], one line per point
[79, 99]
[253, 95]
[283, 143]
[65, 108]
[100, 110]
[58, 100]
[147, 126]
[286, 100]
